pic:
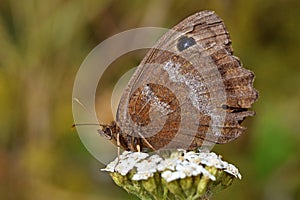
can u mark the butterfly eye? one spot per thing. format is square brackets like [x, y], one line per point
[185, 42]
[106, 133]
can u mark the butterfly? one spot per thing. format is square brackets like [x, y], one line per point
[189, 91]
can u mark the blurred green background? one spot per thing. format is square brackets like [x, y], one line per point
[42, 44]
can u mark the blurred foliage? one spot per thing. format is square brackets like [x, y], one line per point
[42, 46]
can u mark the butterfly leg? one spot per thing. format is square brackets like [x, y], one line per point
[119, 150]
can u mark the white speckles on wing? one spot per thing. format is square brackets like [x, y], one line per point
[156, 103]
[197, 90]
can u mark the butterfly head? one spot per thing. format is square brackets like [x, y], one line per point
[109, 131]
[126, 141]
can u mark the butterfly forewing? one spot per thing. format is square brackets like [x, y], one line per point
[188, 89]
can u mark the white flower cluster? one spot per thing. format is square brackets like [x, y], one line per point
[179, 166]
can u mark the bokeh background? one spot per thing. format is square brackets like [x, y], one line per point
[42, 44]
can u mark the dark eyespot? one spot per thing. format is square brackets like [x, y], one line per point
[185, 42]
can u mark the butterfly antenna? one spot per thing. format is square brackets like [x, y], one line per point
[85, 108]
[80, 103]
[87, 124]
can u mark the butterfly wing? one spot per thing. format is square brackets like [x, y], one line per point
[189, 88]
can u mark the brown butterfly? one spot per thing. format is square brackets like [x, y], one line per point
[188, 91]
